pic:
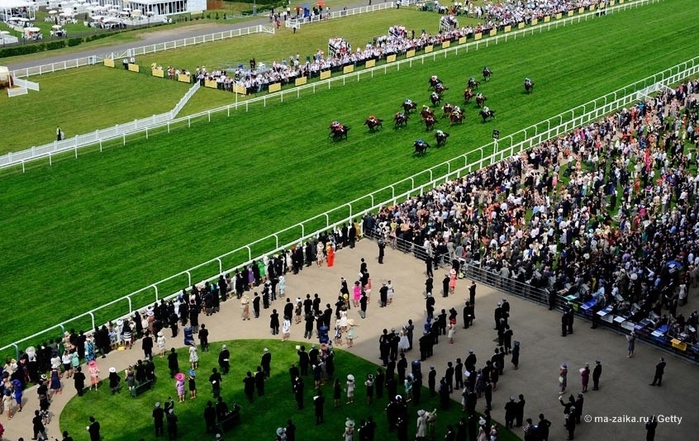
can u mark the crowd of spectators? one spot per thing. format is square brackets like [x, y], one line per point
[397, 41]
[607, 212]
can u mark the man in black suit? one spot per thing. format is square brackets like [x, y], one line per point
[659, 371]
[266, 362]
[94, 429]
[382, 248]
[159, 418]
[472, 293]
[596, 374]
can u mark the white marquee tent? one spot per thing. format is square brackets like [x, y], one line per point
[10, 7]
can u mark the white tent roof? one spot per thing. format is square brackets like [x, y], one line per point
[9, 4]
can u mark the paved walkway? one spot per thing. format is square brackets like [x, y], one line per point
[624, 383]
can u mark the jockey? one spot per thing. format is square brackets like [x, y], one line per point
[486, 70]
[334, 125]
[527, 81]
[479, 95]
[440, 133]
[457, 109]
[372, 118]
[420, 142]
[434, 79]
[486, 109]
[408, 101]
[471, 80]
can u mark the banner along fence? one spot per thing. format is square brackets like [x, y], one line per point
[414, 185]
[150, 124]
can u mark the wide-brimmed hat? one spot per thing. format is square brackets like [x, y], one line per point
[281, 431]
[349, 423]
[350, 322]
[421, 412]
[112, 370]
[481, 422]
[350, 377]
[160, 333]
[179, 376]
[192, 373]
[92, 363]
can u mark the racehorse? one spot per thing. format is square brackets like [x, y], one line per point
[486, 74]
[441, 138]
[440, 88]
[425, 112]
[409, 106]
[436, 99]
[480, 99]
[447, 109]
[456, 117]
[434, 80]
[468, 95]
[400, 119]
[528, 86]
[485, 114]
[430, 121]
[373, 123]
[420, 147]
[338, 132]
[473, 84]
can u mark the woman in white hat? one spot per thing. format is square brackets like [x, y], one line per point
[350, 389]
[281, 434]
[349, 430]
[114, 380]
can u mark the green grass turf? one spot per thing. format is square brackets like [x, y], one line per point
[83, 232]
[77, 98]
[114, 96]
[123, 417]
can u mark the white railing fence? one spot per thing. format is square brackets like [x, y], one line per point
[417, 184]
[185, 99]
[292, 21]
[148, 49]
[16, 91]
[146, 125]
[31, 85]
[141, 50]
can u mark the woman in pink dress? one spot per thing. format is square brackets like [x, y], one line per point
[356, 294]
[179, 385]
[94, 372]
[452, 281]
